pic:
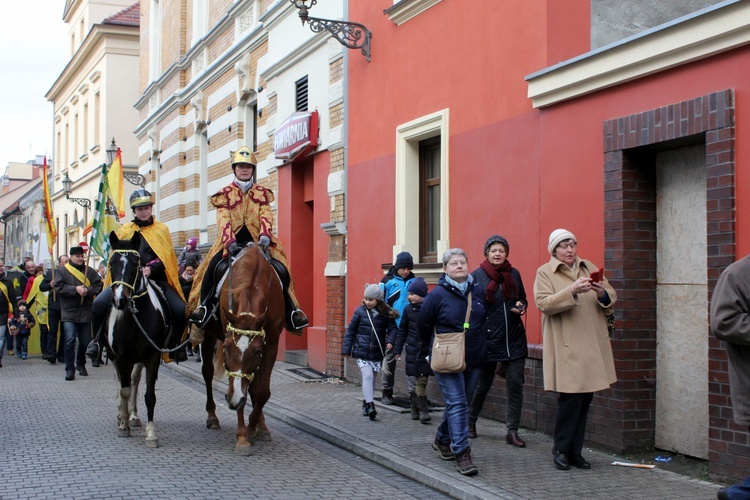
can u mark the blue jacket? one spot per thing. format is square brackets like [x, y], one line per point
[506, 335]
[360, 342]
[444, 311]
[408, 339]
[396, 292]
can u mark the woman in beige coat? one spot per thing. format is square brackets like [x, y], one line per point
[577, 353]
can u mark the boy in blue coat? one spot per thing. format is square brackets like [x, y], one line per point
[395, 285]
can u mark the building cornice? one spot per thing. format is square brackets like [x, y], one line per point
[254, 39]
[98, 34]
[722, 27]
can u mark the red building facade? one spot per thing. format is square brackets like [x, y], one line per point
[633, 147]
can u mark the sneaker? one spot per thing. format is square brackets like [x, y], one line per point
[444, 449]
[464, 464]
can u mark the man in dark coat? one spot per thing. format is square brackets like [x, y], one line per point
[77, 284]
[55, 349]
[8, 304]
[730, 322]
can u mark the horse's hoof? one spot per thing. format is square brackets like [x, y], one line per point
[264, 436]
[123, 433]
[152, 442]
[135, 422]
[213, 423]
[243, 451]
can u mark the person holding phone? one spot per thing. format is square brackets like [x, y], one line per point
[507, 347]
[577, 352]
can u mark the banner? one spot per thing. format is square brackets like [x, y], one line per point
[50, 224]
[116, 183]
[106, 218]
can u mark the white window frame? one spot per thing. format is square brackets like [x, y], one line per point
[408, 137]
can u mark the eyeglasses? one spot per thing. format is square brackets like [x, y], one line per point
[456, 263]
[565, 246]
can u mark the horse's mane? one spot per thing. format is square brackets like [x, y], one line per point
[244, 274]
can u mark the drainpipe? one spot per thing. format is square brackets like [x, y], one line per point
[345, 141]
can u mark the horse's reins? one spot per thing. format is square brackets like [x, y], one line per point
[134, 309]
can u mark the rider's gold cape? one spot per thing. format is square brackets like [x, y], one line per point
[157, 236]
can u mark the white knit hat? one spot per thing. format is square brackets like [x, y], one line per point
[557, 236]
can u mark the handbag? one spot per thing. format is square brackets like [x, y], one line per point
[449, 349]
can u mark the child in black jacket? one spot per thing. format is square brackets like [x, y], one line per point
[417, 366]
[365, 338]
[20, 326]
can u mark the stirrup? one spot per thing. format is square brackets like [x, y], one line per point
[199, 316]
[92, 351]
[301, 320]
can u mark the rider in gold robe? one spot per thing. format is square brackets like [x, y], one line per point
[158, 263]
[243, 215]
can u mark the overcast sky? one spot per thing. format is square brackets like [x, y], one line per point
[33, 52]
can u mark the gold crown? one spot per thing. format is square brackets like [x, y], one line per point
[243, 155]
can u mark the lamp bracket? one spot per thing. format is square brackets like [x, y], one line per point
[351, 35]
[84, 202]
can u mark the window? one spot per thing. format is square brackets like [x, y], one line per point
[250, 124]
[429, 198]
[75, 137]
[85, 128]
[66, 141]
[422, 180]
[200, 19]
[301, 94]
[97, 118]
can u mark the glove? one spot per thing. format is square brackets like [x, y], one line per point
[264, 241]
[233, 248]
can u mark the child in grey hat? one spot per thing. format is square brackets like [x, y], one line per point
[365, 338]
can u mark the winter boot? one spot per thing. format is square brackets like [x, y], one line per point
[387, 398]
[424, 412]
[414, 407]
[365, 408]
[371, 411]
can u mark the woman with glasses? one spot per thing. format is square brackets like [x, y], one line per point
[444, 311]
[577, 353]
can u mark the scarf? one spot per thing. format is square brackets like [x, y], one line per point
[499, 276]
[461, 286]
[143, 223]
[243, 185]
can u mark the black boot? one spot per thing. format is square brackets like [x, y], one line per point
[387, 398]
[93, 350]
[414, 407]
[424, 410]
[371, 411]
[200, 316]
[365, 408]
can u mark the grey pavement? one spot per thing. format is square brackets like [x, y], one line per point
[331, 409]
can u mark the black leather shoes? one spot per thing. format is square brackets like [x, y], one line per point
[561, 461]
[82, 372]
[578, 461]
[92, 350]
[179, 355]
[70, 375]
[299, 319]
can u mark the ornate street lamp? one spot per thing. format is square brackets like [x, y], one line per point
[135, 179]
[68, 187]
[351, 35]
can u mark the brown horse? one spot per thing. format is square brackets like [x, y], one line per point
[251, 308]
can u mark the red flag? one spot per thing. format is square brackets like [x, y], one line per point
[51, 229]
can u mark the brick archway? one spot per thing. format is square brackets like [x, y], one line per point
[630, 253]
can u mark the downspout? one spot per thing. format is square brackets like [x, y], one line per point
[345, 141]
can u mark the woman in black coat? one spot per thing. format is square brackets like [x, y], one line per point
[365, 338]
[505, 303]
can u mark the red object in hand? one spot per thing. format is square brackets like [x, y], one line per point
[597, 276]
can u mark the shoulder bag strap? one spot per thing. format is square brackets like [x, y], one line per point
[374, 331]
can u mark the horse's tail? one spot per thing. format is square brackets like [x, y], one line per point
[219, 360]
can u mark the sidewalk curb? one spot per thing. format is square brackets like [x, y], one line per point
[458, 487]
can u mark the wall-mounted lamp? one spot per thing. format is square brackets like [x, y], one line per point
[135, 179]
[68, 187]
[351, 35]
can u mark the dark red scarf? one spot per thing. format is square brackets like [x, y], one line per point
[498, 276]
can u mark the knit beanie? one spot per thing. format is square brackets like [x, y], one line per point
[496, 238]
[373, 292]
[404, 259]
[418, 287]
[557, 236]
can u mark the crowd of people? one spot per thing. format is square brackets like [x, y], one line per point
[488, 305]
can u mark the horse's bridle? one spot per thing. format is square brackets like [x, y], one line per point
[243, 333]
[135, 279]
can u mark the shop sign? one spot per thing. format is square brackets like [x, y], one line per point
[296, 136]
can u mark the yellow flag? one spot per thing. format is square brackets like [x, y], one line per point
[116, 184]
